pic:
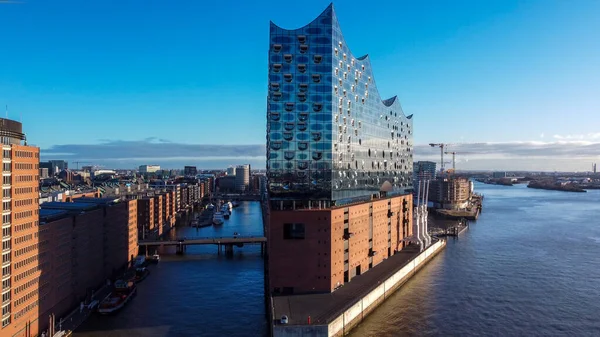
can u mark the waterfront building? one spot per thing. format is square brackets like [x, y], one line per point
[499, 175]
[242, 178]
[149, 169]
[21, 258]
[339, 162]
[450, 192]
[81, 244]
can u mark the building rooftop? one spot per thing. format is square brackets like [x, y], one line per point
[68, 206]
[97, 201]
[48, 215]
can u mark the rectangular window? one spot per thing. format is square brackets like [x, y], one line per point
[293, 231]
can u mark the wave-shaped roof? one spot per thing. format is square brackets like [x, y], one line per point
[329, 18]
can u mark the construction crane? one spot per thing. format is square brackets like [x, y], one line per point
[80, 162]
[441, 146]
[454, 153]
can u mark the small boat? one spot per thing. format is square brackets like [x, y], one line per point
[154, 258]
[226, 211]
[235, 204]
[121, 294]
[140, 261]
[141, 274]
[218, 218]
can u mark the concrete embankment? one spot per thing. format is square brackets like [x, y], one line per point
[339, 312]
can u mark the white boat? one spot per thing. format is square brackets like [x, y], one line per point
[229, 206]
[218, 218]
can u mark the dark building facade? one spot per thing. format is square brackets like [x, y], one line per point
[190, 171]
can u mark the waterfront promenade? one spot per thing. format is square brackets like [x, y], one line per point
[66, 325]
[329, 314]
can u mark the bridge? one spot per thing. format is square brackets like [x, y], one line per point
[228, 242]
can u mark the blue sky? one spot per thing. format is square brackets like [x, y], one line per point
[493, 77]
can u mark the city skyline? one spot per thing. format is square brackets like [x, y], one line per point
[509, 83]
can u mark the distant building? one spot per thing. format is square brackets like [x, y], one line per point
[54, 166]
[49, 167]
[499, 175]
[43, 172]
[242, 178]
[226, 184]
[231, 171]
[149, 168]
[190, 171]
[594, 168]
[422, 171]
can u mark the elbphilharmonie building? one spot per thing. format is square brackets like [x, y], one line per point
[339, 162]
[331, 139]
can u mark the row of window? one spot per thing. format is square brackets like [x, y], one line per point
[25, 226]
[23, 190]
[25, 298]
[27, 249]
[6, 180]
[25, 166]
[23, 238]
[26, 214]
[27, 309]
[26, 178]
[29, 272]
[26, 154]
[24, 202]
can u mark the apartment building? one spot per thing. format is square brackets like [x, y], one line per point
[21, 265]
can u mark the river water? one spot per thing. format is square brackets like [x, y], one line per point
[530, 266]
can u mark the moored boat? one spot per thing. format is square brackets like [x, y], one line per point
[121, 294]
[141, 274]
[218, 218]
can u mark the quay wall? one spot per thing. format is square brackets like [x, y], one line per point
[346, 321]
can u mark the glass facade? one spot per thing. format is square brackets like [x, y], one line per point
[330, 136]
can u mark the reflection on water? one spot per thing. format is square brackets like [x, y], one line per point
[527, 267]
